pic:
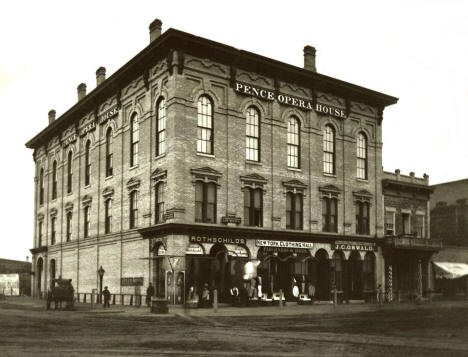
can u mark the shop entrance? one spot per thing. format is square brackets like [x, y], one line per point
[39, 268]
[355, 276]
[323, 275]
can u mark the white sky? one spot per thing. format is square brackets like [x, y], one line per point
[414, 50]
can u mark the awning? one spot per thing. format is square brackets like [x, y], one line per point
[446, 270]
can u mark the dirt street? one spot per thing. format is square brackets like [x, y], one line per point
[27, 329]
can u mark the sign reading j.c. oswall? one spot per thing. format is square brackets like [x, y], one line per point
[363, 246]
[302, 103]
[283, 244]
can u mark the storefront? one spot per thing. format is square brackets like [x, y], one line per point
[192, 266]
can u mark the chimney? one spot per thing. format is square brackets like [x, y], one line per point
[51, 116]
[100, 75]
[397, 174]
[155, 29]
[81, 91]
[411, 176]
[27, 258]
[309, 58]
[426, 178]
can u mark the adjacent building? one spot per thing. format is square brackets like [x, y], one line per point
[198, 164]
[15, 277]
[408, 246]
[449, 212]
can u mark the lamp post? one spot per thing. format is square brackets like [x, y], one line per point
[101, 272]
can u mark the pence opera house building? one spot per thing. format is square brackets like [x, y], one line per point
[198, 164]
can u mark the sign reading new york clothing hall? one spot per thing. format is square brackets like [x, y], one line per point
[286, 99]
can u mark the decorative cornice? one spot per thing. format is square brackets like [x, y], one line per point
[330, 191]
[86, 201]
[53, 212]
[133, 184]
[253, 181]
[40, 216]
[362, 196]
[294, 186]
[206, 174]
[68, 207]
[159, 175]
[108, 192]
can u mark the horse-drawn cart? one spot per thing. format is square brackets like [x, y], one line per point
[62, 291]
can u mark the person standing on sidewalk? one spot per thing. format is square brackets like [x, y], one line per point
[107, 295]
[149, 294]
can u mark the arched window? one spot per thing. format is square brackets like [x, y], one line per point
[329, 150]
[86, 221]
[41, 186]
[253, 207]
[329, 214]
[109, 153]
[39, 234]
[205, 126]
[362, 217]
[337, 270]
[252, 134]
[133, 209]
[159, 202]
[69, 171]
[361, 154]
[161, 127]
[293, 211]
[205, 202]
[53, 221]
[134, 139]
[69, 226]
[108, 216]
[87, 163]
[294, 143]
[54, 180]
[368, 267]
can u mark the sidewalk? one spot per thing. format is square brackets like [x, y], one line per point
[290, 308]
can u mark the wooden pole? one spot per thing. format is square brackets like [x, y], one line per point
[215, 300]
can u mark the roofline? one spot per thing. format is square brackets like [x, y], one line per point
[450, 182]
[175, 39]
[386, 182]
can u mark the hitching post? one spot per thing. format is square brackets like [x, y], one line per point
[335, 296]
[281, 299]
[215, 300]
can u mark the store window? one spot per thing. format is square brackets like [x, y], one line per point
[134, 140]
[159, 201]
[329, 214]
[252, 135]
[54, 180]
[205, 126]
[294, 217]
[329, 150]
[109, 153]
[389, 223]
[108, 216]
[161, 127]
[205, 202]
[361, 155]
[368, 267]
[133, 209]
[294, 143]
[69, 171]
[362, 217]
[253, 207]
[87, 178]
[337, 268]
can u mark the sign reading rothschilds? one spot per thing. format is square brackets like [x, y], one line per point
[286, 99]
[227, 240]
[363, 246]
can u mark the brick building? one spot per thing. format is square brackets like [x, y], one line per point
[408, 246]
[449, 223]
[197, 163]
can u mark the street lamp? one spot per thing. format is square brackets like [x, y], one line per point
[101, 272]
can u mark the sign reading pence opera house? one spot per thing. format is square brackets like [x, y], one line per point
[286, 99]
